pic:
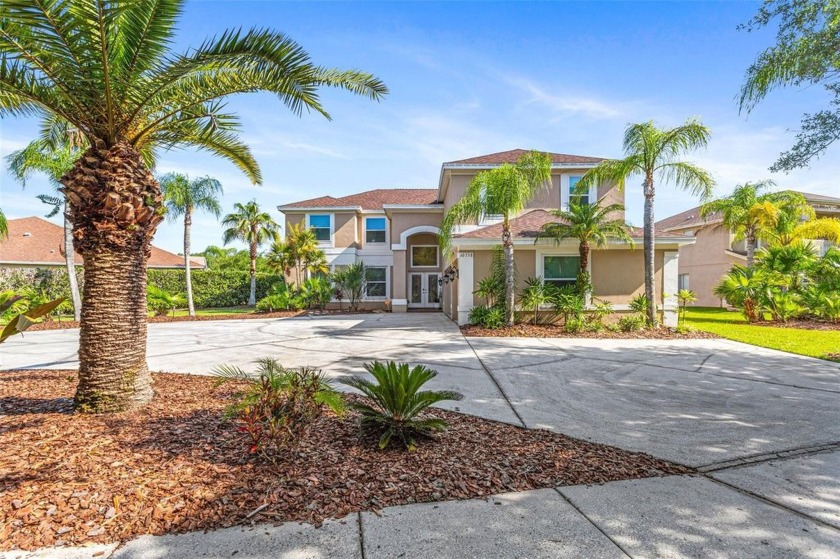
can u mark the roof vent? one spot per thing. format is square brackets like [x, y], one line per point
[27, 234]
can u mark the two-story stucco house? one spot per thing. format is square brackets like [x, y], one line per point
[395, 233]
[704, 262]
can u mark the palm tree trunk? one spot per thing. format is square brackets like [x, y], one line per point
[510, 278]
[649, 253]
[115, 203]
[252, 297]
[187, 270]
[750, 242]
[583, 273]
[69, 261]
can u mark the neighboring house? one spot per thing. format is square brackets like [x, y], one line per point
[34, 242]
[395, 233]
[715, 251]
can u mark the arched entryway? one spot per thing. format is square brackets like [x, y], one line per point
[417, 269]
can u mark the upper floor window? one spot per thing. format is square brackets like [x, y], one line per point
[321, 225]
[561, 270]
[576, 196]
[375, 230]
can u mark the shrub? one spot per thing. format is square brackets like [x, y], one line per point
[350, 280]
[214, 288]
[534, 296]
[782, 305]
[568, 301]
[161, 302]
[20, 314]
[398, 401]
[495, 318]
[601, 310]
[574, 325]
[684, 298]
[477, 314]
[631, 323]
[823, 303]
[317, 291]
[277, 407]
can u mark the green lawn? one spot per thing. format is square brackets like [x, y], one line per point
[215, 312]
[732, 325]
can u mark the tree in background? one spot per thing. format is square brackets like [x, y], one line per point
[797, 222]
[4, 226]
[504, 191]
[654, 153]
[183, 197]
[299, 251]
[590, 224]
[248, 223]
[106, 69]
[805, 53]
[40, 156]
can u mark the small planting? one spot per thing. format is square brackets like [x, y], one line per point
[397, 402]
[278, 405]
[161, 302]
[631, 323]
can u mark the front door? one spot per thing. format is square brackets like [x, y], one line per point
[423, 290]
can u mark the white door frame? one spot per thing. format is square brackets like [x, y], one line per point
[425, 302]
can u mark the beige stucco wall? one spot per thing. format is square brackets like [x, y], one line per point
[292, 220]
[345, 229]
[404, 221]
[706, 261]
[619, 275]
[523, 259]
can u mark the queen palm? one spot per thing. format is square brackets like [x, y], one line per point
[654, 153]
[505, 191]
[590, 224]
[106, 68]
[299, 251]
[797, 223]
[250, 224]
[41, 156]
[183, 197]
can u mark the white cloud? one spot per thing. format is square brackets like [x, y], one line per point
[564, 104]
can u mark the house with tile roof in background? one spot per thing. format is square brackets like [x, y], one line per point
[34, 242]
[715, 250]
[395, 232]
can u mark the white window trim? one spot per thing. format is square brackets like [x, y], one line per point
[688, 281]
[365, 296]
[331, 242]
[387, 230]
[566, 195]
[411, 258]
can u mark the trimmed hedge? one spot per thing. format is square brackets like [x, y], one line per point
[214, 288]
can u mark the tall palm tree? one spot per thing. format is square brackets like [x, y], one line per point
[655, 153]
[590, 224]
[299, 251]
[250, 224]
[505, 191]
[748, 212]
[53, 160]
[107, 69]
[183, 197]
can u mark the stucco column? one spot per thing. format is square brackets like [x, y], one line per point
[465, 287]
[670, 287]
[399, 302]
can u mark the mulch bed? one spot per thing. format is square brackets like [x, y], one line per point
[64, 324]
[556, 331]
[801, 324]
[176, 465]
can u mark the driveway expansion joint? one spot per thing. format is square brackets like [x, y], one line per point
[798, 452]
[496, 382]
[583, 514]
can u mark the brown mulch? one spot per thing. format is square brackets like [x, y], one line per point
[61, 325]
[176, 465]
[557, 331]
[801, 324]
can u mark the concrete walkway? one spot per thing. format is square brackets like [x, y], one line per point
[762, 426]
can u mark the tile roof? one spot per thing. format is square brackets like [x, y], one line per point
[44, 244]
[527, 226]
[512, 156]
[371, 199]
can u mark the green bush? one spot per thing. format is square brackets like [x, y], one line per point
[631, 322]
[40, 285]
[574, 325]
[398, 401]
[569, 302]
[278, 406]
[161, 302]
[214, 288]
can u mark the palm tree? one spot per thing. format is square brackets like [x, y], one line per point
[589, 224]
[797, 222]
[743, 287]
[4, 226]
[299, 251]
[250, 224]
[107, 69]
[53, 161]
[182, 197]
[654, 153]
[505, 191]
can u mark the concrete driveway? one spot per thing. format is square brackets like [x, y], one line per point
[763, 427]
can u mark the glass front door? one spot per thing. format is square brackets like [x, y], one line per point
[423, 290]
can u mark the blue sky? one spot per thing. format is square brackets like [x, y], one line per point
[471, 78]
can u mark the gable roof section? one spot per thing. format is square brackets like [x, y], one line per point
[688, 218]
[371, 199]
[513, 155]
[44, 245]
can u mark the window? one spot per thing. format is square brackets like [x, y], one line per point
[560, 270]
[375, 230]
[682, 282]
[424, 256]
[490, 204]
[375, 280]
[574, 194]
[321, 225]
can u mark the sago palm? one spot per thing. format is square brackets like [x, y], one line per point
[504, 191]
[106, 69]
[250, 224]
[748, 212]
[655, 153]
[53, 160]
[183, 197]
[592, 225]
